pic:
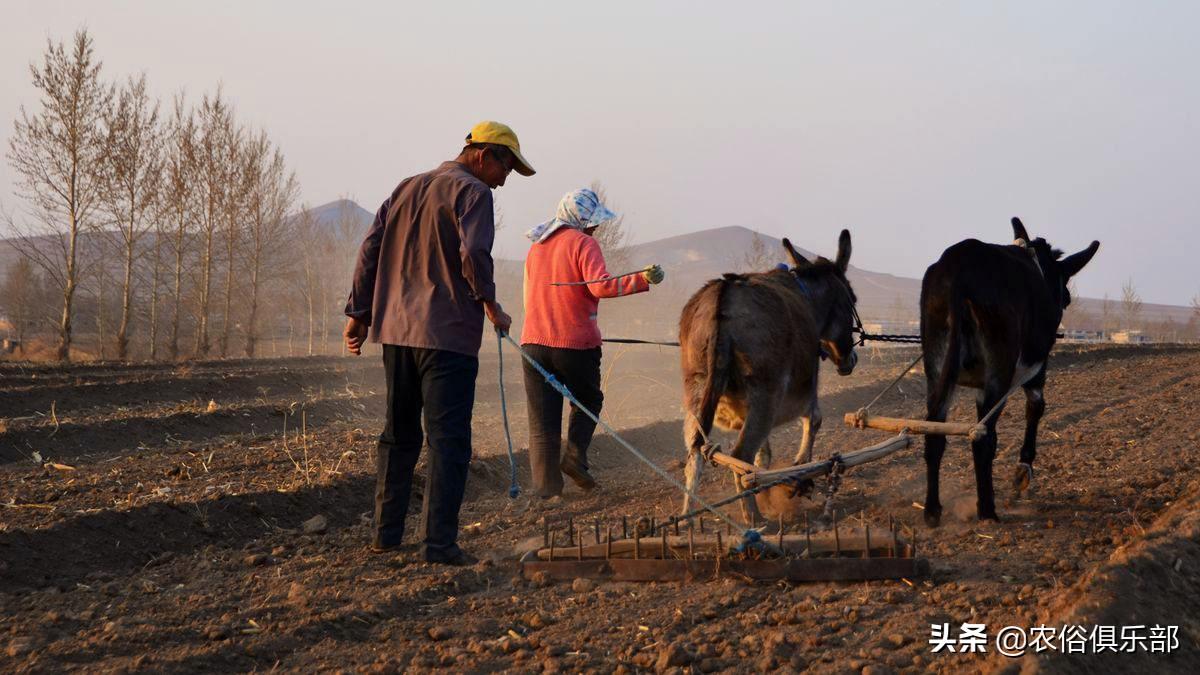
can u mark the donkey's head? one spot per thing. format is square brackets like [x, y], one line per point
[1056, 270]
[825, 285]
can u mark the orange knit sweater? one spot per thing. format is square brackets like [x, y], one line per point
[565, 316]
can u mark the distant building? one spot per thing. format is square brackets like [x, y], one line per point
[1079, 335]
[892, 327]
[1130, 337]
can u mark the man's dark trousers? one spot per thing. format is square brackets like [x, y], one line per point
[579, 370]
[440, 384]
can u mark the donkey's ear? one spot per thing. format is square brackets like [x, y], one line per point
[843, 254]
[1071, 265]
[1019, 230]
[797, 259]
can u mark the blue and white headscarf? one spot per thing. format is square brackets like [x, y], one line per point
[578, 209]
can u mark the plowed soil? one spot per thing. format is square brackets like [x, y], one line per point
[161, 518]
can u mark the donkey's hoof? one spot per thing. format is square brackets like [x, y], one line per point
[1023, 479]
[933, 516]
[784, 502]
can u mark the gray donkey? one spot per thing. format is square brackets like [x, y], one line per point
[751, 346]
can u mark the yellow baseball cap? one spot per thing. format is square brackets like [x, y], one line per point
[500, 134]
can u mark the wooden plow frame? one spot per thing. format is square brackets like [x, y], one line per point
[752, 476]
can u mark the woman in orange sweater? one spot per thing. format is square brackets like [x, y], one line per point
[560, 332]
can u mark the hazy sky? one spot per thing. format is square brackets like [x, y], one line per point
[915, 124]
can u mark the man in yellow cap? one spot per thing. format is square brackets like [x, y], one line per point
[422, 285]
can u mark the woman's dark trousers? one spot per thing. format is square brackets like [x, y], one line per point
[579, 370]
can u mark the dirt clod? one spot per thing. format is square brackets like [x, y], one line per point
[19, 647]
[440, 633]
[315, 525]
[538, 620]
[673, 655]
[582, 585]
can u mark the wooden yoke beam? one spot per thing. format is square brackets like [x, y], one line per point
[862, 420]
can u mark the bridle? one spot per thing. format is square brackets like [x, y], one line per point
[856, 321]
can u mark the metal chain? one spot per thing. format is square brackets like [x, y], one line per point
[836, 468]
[884, 337]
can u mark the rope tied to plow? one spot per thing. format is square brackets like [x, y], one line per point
[514, 488]
[860, 416]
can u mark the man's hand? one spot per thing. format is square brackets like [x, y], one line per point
[654, 274]
[355, 335]
[496, 314]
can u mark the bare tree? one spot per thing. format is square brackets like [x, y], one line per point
[233, 205]
[900, 311]
[1107, 312]
[21, 300]
[177, 204]
[1074, 316]
[347, 235]
[133, 169]
[99, 279]
[1168, 330]
[614, 239]
[757, 259]
[213, 156]
[1131, 305]
[1193, 325]
[310, 241]
[271, 191]
[57, 154]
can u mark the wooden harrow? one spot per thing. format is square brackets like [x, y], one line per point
[665, 552]
[654, 554]
[840, 554]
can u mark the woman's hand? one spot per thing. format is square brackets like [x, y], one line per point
[654, 274]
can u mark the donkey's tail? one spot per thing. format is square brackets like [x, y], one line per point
[947, 370]
[720, 359]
